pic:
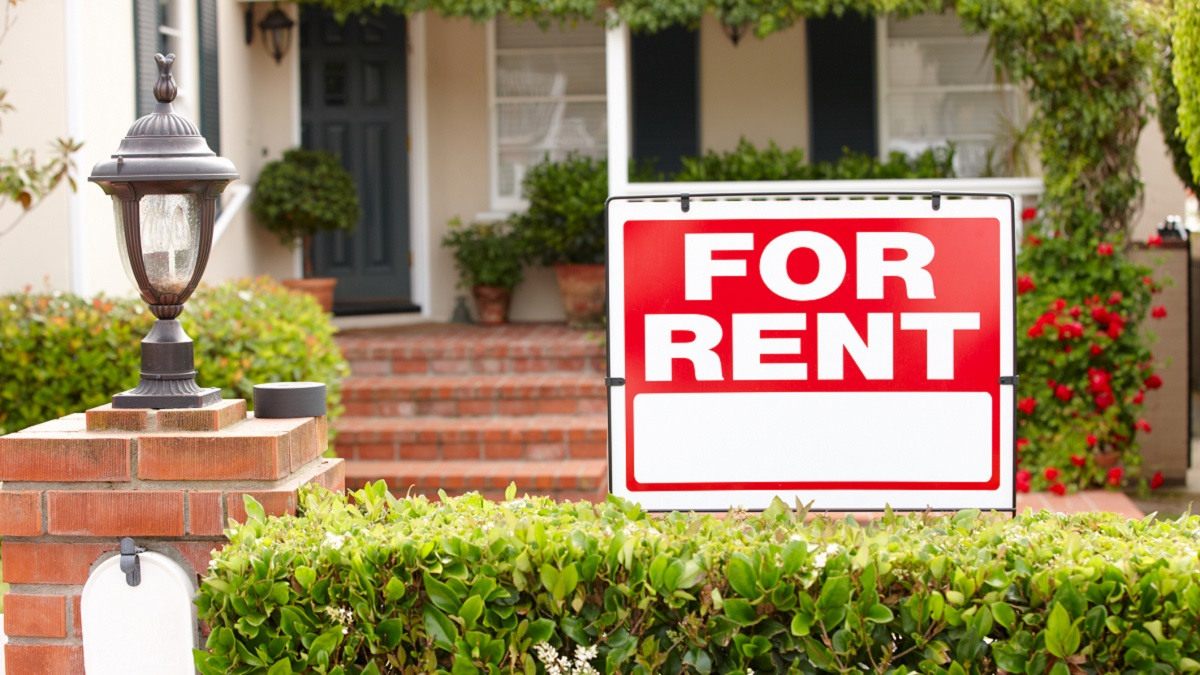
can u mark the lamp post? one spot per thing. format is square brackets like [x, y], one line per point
[276, 29]
[164, 181]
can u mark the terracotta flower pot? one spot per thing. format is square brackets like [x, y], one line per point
[583, 294]
[320, 288]
[1106, 459]
[492, 303]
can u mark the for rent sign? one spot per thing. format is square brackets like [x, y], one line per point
[850, 352]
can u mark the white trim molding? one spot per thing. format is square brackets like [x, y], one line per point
[420, 274]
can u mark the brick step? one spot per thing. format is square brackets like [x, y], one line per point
[476, 395]
[434, 349]
[533, 437]
[572, 479]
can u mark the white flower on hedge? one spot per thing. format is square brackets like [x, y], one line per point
[559, 665]
[335, 541]
[246, 296]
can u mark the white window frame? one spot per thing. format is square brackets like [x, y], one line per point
[186, 36]
[502, 205]
[883, 90]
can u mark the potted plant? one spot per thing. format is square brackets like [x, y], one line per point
[300, 195]
[564, 227]
[490, 261]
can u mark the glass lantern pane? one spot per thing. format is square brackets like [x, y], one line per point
[122, 249]
[170, 240]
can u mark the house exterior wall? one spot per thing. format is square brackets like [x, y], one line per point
[33, 63]
[1164, 191]
[258, 97]
[758, 89]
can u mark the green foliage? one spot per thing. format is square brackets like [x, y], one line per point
[372, 584]
[1083, 360]
[1168, 118]
[1088, 66]
[749, 163]
[1185, 44]
[305, 193]
[565, 219]
[61, 354]
[486, 254]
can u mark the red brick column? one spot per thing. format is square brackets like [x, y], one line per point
[170, 479]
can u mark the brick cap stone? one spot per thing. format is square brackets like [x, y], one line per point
[220, 415]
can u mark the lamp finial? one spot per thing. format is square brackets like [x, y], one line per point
[165, 88]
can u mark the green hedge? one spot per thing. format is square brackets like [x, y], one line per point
[374, 584]
[62, 354]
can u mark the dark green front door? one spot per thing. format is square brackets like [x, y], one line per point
[354, 103]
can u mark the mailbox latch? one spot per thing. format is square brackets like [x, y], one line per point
[130, 564]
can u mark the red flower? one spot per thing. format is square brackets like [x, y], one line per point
[1091, 442]
[1022, 443]
[1114, 327]
[1028, 214]
[1078, 460]
[1156, 481]
[1050, 473]
[1025, 284]
[1099, 380]
[1142, 425]
[1027, 405]
[1139, 397]
[1075, 312]
[1033, 241]
[1153, 382]
[1024, 475]
[1096, 350]
[1104, 399]
[1058, 305]
[1159, 312]
[1115, 298]
[1063, 392]
[1100, 314]
[1104, 248]
[1154, 240]
[1058, 489]
[1114, 476]
[1035, 331]
[1022, 485]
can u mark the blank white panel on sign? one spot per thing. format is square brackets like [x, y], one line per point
[858, 437]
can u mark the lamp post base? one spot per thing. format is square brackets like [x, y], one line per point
[168, 378]
[199, 399]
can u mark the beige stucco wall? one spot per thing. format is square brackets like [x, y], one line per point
[257, 101]
[33, 70]
[758, 89]
[1164, 194]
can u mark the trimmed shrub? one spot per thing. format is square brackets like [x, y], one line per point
[374, 584]
[749, 163]
[61, 354]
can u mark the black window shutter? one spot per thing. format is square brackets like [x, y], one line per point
[145, 44]
[665, 70]
[841, 76]
[210, 90]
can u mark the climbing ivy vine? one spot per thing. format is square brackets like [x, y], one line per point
[1185, 43]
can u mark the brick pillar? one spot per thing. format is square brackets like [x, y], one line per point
[170, 479]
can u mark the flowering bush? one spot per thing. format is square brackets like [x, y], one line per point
[1083, 361]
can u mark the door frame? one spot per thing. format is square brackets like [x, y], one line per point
[418, 169]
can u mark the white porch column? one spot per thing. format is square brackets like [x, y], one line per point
[616, 56]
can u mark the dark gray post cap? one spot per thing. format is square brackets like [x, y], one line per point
[285, 400]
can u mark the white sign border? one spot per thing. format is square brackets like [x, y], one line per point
[769, 206]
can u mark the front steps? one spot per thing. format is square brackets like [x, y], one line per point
[465, 408]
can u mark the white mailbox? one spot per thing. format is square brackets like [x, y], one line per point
[147, 628]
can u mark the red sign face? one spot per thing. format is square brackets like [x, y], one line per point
[795, 356]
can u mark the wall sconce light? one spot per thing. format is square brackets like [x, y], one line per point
[276, 28]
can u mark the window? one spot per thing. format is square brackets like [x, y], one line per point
[547, 95]
[938, 85]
